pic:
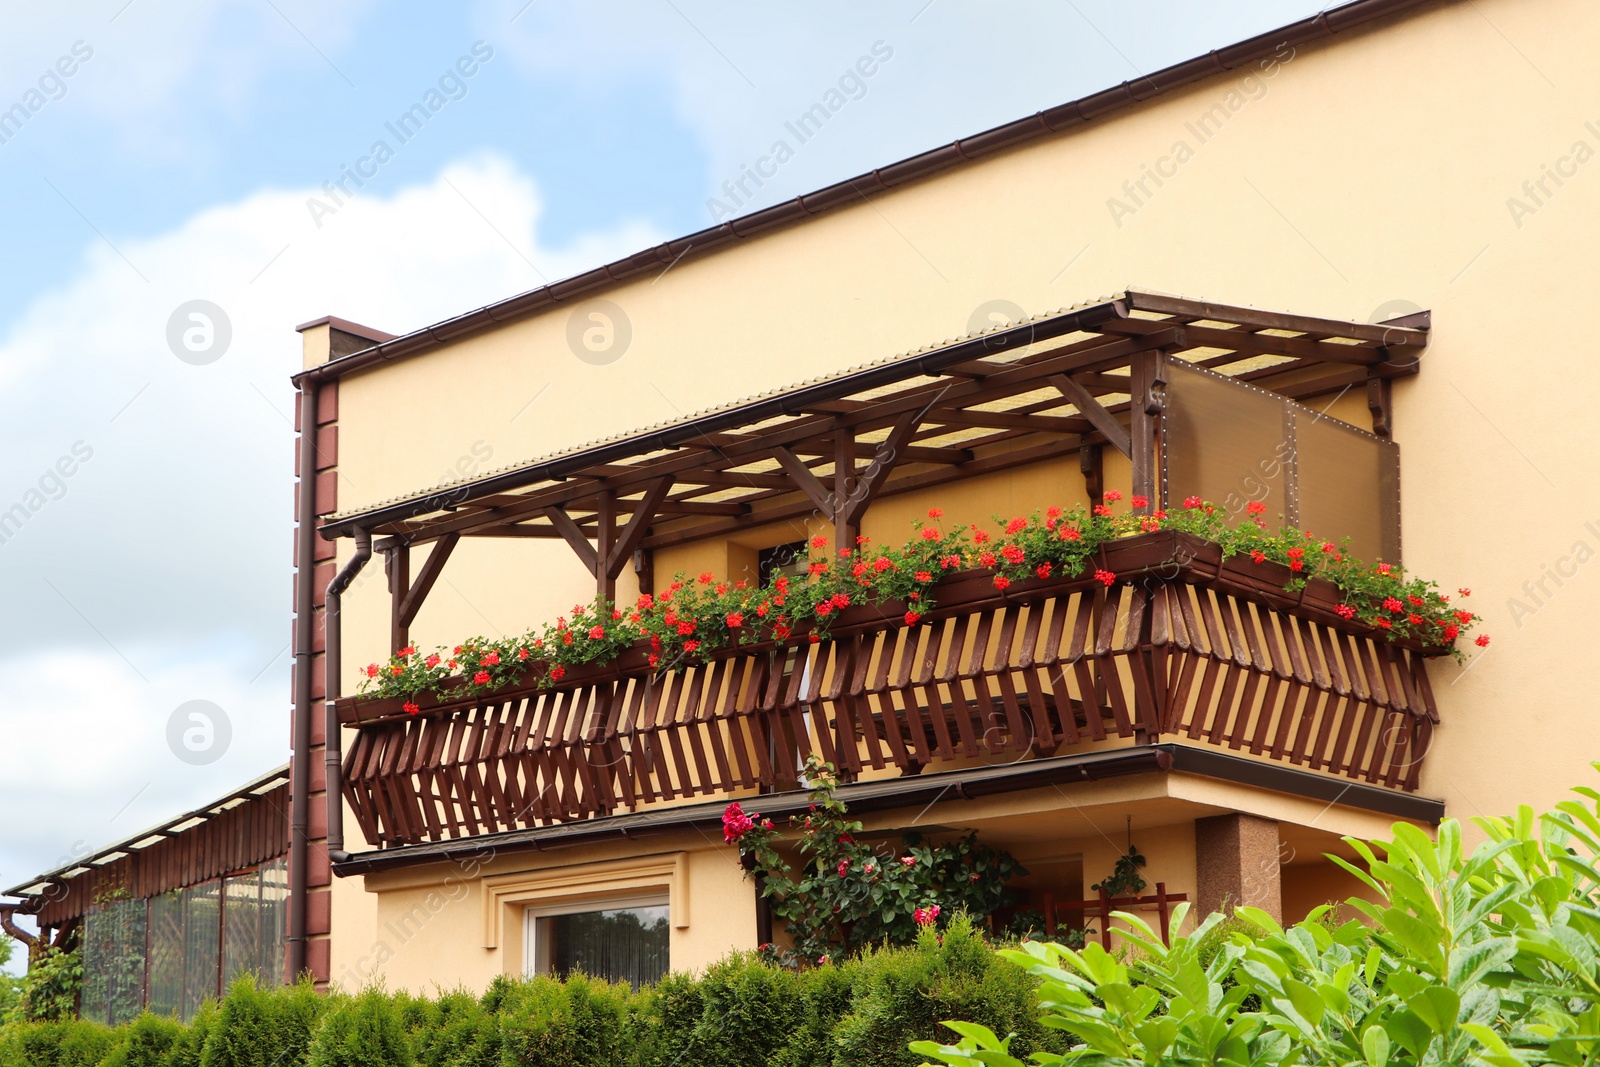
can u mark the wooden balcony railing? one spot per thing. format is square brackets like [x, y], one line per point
[1185, 647]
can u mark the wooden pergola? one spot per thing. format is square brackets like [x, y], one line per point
[1072, 382]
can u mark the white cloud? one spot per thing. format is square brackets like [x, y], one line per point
[159, 572]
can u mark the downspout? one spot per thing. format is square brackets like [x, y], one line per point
[304, 633]
[332, 752]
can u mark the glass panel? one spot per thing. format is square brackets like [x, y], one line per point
[625, 945]
[201, 912]
[166, 953]
[97, 946]
[274, 920]
[1343, 474]
[1224, 441]
[241, 927]
[113, 961]
[125, 989]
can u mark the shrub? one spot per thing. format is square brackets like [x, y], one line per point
[748, 1012]
[67, 1043]
[900, 997]
[459, 1032]
[146, 1042]
[579, 1022]
[257, 1028]
[191, 1042]
[366, 1030]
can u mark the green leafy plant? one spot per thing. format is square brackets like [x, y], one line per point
[1491, 958]
[1125, 879]
[691, 620]
[848, 894]
[51, 987]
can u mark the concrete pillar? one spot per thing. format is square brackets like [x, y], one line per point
[1237, 862]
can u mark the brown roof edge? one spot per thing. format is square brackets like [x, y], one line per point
[1058, 119]
[922, 790]
[355, 328]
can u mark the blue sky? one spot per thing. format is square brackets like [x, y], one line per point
[176, 162]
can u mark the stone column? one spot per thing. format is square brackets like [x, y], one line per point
[1237, 862]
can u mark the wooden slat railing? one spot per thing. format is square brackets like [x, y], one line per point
[1184, 647]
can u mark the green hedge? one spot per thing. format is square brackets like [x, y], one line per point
[741, 1013]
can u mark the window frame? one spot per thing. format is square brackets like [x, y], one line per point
[533, 966]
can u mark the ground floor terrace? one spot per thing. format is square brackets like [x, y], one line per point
[635, 895]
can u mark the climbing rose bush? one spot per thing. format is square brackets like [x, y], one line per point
[842, 894]
[693, 618]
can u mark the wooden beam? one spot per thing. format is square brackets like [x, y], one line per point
[703, 507]
[426, 577]
[1381, 404]
[797, 509]
[1245, 341]
[1271, 320]
[805, 481]
[1097, 354]
[1007, 420]
[644, 512]
[574, 536]
[1092, 410]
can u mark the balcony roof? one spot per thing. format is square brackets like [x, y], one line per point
[172, 827]
[1011, 395]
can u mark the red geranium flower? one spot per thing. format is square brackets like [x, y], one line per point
[410, 708]
[1112, 496]
[481, 678]
[1192, 502]
[1001, 581]
[1255, 507]
[1016, 525]
[409, 650]
[596, 633]
[936, 513]
[1482, 641]
[1105, 577]
[1140, 501]
[431, 662]
[557, 673]
[912, 618]
[1043, 570]
[735, 619]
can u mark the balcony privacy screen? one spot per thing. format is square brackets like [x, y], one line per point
[174, 950]
[1233, 444]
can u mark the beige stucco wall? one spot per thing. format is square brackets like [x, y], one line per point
[1375, 170]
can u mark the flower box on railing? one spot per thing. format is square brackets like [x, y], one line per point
[1141, 560]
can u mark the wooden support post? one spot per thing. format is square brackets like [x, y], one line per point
[844, 478]
[397, 568]
[1105, 919]
[1149, 398]
[605, 579]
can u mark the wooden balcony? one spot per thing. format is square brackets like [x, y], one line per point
[1185, 648]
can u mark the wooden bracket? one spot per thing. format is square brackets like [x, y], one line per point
[411, 603]
[1380, 401]
[888, 455]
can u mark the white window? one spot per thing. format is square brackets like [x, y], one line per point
[620, 940]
